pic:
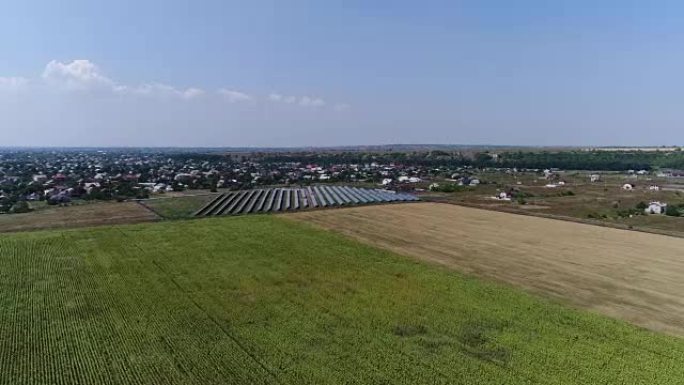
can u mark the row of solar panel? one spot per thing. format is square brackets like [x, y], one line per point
[284, 199]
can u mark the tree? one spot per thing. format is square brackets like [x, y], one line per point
[672, 211]
[20, 207]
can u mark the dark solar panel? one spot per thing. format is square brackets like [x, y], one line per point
[295, 200]
[322, 198]
[311, 197]
[334, 195]
[238, 198]
[271, 200]
[287, 199]
[284, 199]
[238, 209]
[278, 201]
[262, 201]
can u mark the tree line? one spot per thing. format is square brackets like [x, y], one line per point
[569, 160]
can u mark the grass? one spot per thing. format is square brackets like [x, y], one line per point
[604, 201]
[260, 299]
[178, 207]
[77, 215]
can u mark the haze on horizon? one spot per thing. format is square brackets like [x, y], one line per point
[304, 73]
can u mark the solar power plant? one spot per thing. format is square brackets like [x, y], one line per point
[293, 199]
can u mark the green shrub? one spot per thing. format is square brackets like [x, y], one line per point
[672, 211]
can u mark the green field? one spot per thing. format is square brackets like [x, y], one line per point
[178, 207]
[260, 299]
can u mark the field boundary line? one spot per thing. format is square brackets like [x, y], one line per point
[230, 336]
[150, 209]
[215, 322]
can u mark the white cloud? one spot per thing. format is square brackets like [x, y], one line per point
[234, 96]
[341, 107]
[307, 101]
[84, 75]
[159, 90]
[192, 93]
[79, 74]
[13, 82]
[304, 101]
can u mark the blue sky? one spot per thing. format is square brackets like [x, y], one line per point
[316, 73]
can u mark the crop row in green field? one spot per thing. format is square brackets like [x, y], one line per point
[263, 300]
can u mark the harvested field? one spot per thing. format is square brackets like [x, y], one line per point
[90, 214]
[634, 276]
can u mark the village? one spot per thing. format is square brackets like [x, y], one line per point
[58, 177]
[36, 179]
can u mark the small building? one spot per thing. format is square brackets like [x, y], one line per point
[183, 178]
[40, 178]
[654, 188]
[656, 208]
[595, 178]
[61, 198]
[503, 196]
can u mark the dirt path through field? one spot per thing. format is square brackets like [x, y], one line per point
[635, 276]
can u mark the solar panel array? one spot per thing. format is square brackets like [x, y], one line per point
[289, 199]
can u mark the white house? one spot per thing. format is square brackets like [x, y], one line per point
[656, 208]
[654, 188]
[40, 178]
[628, 187]
[408, 179]
[503, 196]
[594, 178]
[183, 177]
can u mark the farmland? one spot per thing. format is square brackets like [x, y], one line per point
[604, 202]
[631, 275]
[85, 214]
[178, 207]
[264, 299]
